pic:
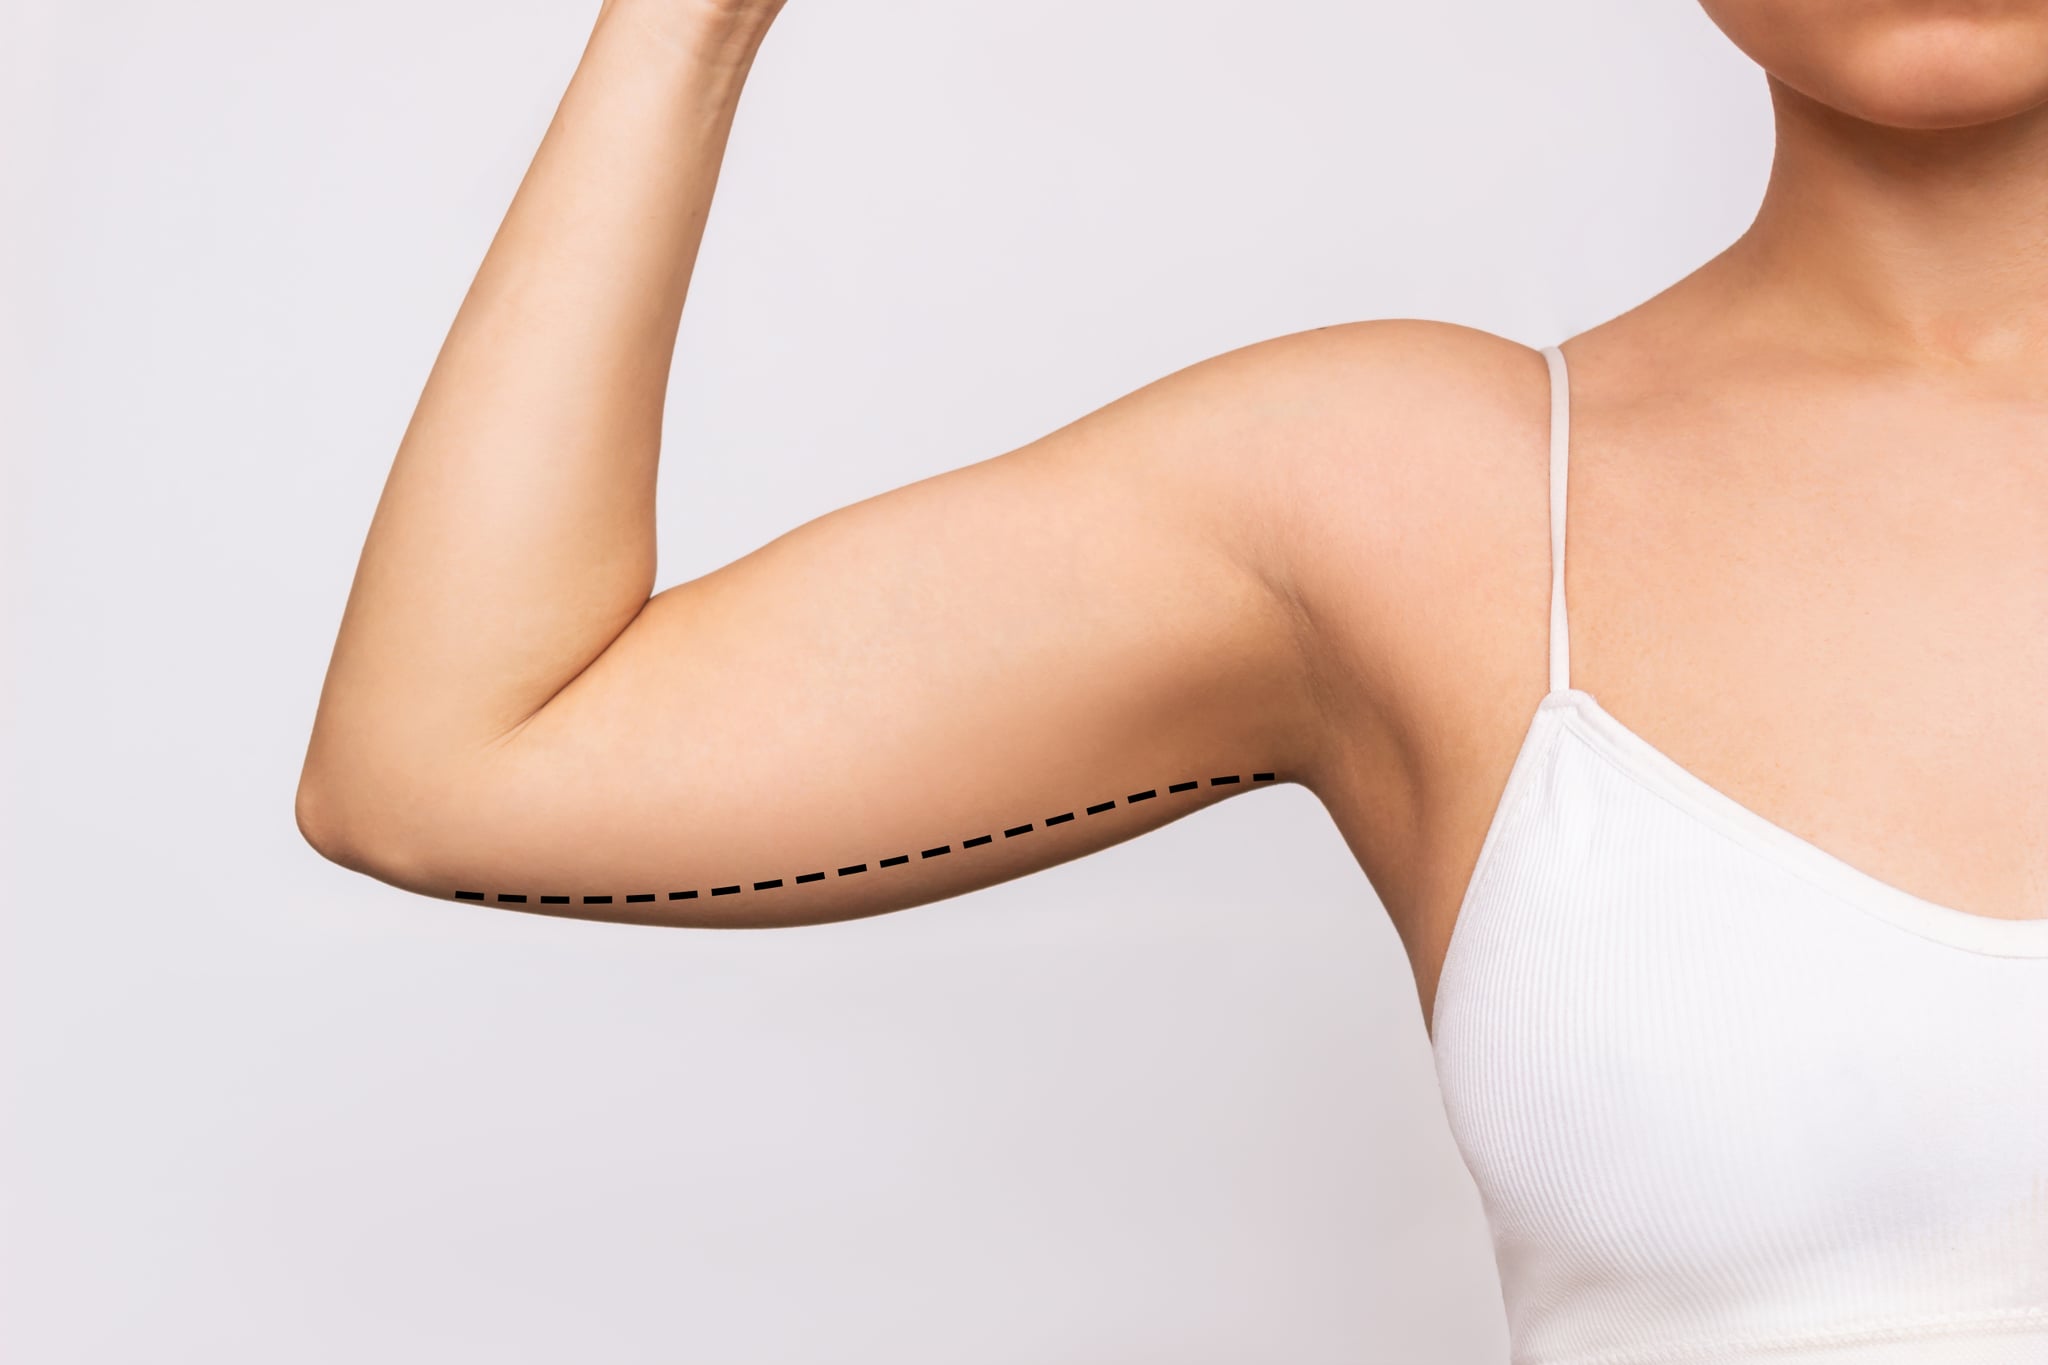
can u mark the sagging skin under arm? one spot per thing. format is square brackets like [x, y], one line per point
[599, 905]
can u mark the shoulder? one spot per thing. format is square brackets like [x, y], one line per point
[1399, 455]
[1385, 380]
[1384, 481]
[1400, 474]
[1416, 418]
[1405, 439]
[1397, 363]
[1423, 418]
[1365, 458]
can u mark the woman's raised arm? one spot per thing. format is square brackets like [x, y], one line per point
[949, 684]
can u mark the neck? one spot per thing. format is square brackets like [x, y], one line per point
[1923, 247]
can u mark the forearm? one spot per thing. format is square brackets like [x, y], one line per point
[515, 537]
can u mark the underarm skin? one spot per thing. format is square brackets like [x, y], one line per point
[1108, 806]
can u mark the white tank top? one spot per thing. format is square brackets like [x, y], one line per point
[1726, 1097]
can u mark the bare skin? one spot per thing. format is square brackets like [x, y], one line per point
[1808, 551]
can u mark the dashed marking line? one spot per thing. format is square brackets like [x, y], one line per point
[853, 869]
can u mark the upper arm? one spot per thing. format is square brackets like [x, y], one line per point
[952, 683]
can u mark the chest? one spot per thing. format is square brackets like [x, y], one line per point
[1801, 616]
[1841, 625]
[1675, 1048]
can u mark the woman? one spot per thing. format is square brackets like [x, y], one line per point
[1726, 892]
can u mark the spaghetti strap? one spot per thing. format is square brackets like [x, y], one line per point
[1560, 457]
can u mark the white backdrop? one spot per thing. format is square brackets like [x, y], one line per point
[1172, 1103]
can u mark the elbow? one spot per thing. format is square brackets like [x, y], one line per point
[354, 828]
[330, 820]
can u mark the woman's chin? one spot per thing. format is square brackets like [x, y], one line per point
[1913, 64]
[1910, 81]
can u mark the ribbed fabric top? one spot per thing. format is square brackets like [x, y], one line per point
[1726, 1097]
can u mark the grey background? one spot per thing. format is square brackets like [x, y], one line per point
[1172, 1103]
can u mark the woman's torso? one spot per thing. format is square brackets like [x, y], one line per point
[1739, 861]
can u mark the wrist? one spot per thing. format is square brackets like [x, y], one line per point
[721, 33]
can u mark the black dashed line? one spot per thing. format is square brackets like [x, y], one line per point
[520, 897]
